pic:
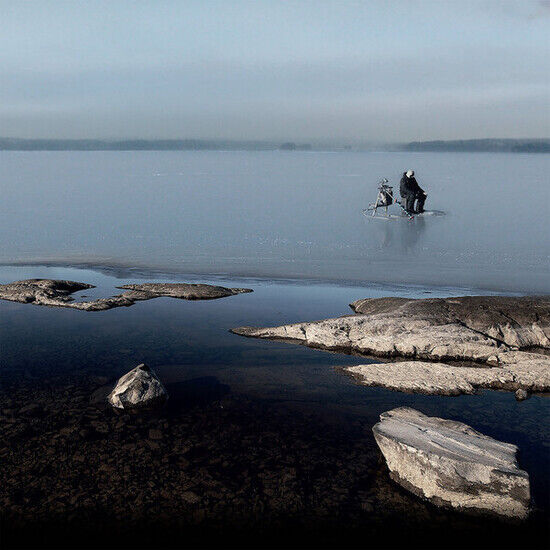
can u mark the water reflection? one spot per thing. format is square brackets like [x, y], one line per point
[401, 237]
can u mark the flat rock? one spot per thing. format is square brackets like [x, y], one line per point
[452, 465]
[138, 388]
[490, 330]
[186, 291]
[529, 372]
[516, 321]
[41, 291]
[56, 293]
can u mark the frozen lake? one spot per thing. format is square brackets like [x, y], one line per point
[282, 214]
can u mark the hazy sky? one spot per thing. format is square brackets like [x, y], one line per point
[372, 70]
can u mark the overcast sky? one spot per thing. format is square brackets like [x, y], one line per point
[341, 70]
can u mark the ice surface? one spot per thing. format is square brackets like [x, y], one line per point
[294, 214]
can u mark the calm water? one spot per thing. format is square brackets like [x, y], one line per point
[282, 214]
[186, 340]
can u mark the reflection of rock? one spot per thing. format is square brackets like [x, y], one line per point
[47, 292]
[452, 465]
[138, 388]
[488, 330]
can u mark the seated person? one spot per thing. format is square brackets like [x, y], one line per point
[410, 192]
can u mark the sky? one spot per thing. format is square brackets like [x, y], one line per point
[373, 71]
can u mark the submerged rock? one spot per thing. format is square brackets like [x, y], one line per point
[140, 387]
[54, 293]
[490, 330]
[452, 465]
[186, 291]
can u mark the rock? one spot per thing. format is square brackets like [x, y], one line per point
[452, 465]
[186, 291]
[529, 371]
[54, 293]
[490, 330]
[41, 291]
[516, 321]
[138, 388]
[521, 395]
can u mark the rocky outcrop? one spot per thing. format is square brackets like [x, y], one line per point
[519, 371]
[138, 388]
[185, 291]
[48, 292]
[489, 330]
[41, 291]
[452, 465]
[520, 322]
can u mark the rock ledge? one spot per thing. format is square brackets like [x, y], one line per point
[496, 332]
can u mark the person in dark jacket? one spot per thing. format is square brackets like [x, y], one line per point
[410, 192]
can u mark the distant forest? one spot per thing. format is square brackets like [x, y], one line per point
[482, 145]
[15, 144]
[469, 145]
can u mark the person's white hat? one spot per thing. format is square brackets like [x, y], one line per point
[410, 173]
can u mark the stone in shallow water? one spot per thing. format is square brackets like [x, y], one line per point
[185, 291]
[452, 465]
[54, 293]
[140, 387]
[521, 395]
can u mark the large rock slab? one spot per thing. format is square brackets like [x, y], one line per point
[516, 321]
[529, 372]
[56, 293]
[452, 465]
[138, 388]
[489, 330]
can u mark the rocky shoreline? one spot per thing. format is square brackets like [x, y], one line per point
[55, 293]
[89, 456]
[456, 345]
[443, 461]
[210, 463]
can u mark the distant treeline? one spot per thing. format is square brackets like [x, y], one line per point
[14, 144]
[482, 145]
[468, 145]
[291, 146]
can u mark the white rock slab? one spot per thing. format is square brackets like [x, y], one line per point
[518, 370]
[452, 465]
[140, 387]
